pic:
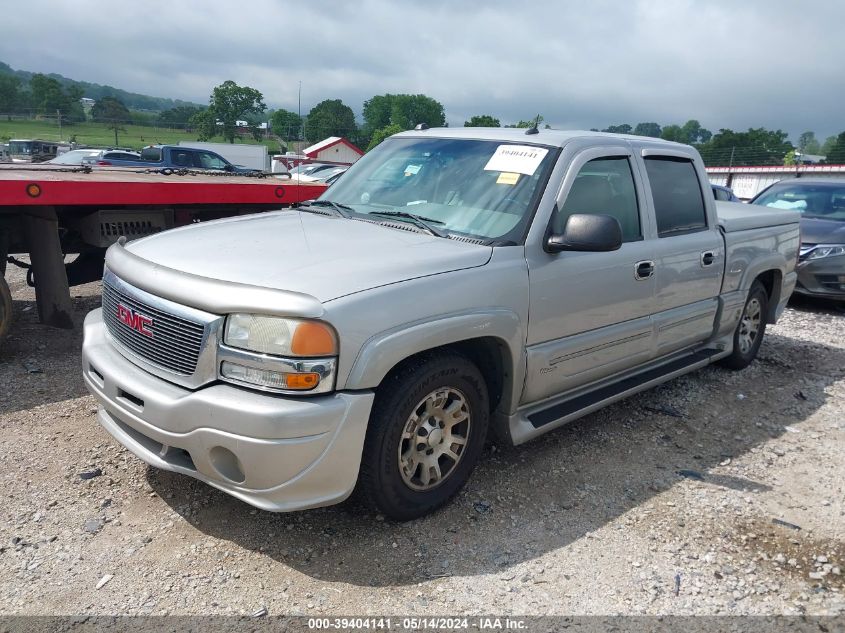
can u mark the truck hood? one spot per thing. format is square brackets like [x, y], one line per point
[324, 257]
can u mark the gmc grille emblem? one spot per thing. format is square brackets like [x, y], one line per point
[135, 320]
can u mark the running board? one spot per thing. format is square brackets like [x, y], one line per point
[534, 421]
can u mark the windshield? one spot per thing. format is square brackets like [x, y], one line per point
[20, 148]
[484, 189]
[820, 200]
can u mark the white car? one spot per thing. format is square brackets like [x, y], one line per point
[73, 157]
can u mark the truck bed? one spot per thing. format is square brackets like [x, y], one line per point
[736, 216]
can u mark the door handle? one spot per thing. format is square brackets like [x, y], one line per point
[707, 258]
[643, 270]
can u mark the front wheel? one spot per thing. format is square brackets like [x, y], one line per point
[749, 331]
[426, 433]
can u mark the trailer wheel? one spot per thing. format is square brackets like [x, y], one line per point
[5, 307]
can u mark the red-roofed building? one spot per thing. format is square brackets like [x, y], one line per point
[334, 149]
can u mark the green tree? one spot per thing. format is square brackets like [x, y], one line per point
[689, 133]
[482, 120]
[808, 144]
[403, 110]
[624, 128]
[178, 118]
[110, 109]
[672, 133]
[48, 97]
[828, 144]
[229, 103]
[204, 123]
[790, 158]
[692, 132]
[382, 133]
[10, 94]
[648, 129]
[836, 154]
[329, 118]
[757, 146]
[530, 123]
[285, 124]
[113, 113]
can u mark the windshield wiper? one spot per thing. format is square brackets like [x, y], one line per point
[340, 210]
[421, 221]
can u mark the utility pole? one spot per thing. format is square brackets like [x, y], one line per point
[59, 117]
[299, 112]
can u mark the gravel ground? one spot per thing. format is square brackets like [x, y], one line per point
[661, 504]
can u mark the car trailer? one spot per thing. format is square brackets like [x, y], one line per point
[48, 212]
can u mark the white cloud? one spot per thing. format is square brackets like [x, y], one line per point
[773, 63]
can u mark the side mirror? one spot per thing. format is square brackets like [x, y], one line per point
[587, 232]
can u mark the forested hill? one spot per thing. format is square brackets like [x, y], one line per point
[131, 100]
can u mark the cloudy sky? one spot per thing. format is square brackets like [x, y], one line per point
[771, 63]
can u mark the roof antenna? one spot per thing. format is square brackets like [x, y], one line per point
[533, 129]
[421, 126]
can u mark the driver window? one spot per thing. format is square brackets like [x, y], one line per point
[604, 186]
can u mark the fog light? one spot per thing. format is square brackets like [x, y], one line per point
[268, 377]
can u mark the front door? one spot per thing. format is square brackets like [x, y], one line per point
[589, 313]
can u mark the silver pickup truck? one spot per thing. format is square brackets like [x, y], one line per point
[453, 284]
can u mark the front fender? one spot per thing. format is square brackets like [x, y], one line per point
[383, 351]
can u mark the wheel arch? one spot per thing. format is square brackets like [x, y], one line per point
[772, 280]
[492, 341]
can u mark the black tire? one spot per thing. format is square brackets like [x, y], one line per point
[381, 483]
[5, 307]
[741, 356]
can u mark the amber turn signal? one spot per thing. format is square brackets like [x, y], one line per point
[33, 190]
[302, 381]
[312, 338]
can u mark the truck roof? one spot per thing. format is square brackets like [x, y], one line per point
[557, 138]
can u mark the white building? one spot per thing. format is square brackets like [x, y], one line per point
[334, 149]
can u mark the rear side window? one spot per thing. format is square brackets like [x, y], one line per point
[604, 186]
[678, 203]
[152, 154]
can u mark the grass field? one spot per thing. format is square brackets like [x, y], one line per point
[97, 135]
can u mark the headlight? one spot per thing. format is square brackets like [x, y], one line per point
[278, 354]
[279, 336]
[826, 251]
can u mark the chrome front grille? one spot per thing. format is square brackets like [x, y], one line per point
[168, 339]
[175, 343]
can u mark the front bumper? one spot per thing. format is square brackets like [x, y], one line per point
[823, 278]
[274, 452]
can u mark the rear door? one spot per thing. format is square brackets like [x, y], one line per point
[689, 250]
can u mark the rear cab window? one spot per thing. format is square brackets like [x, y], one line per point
[151, 154]
[678, 199]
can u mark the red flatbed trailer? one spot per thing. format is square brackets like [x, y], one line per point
[49, 212]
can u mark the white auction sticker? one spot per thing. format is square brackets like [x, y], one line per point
[520, 159]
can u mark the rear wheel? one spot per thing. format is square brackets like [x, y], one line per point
[425, 436]
[5, 307]
[749, 331]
